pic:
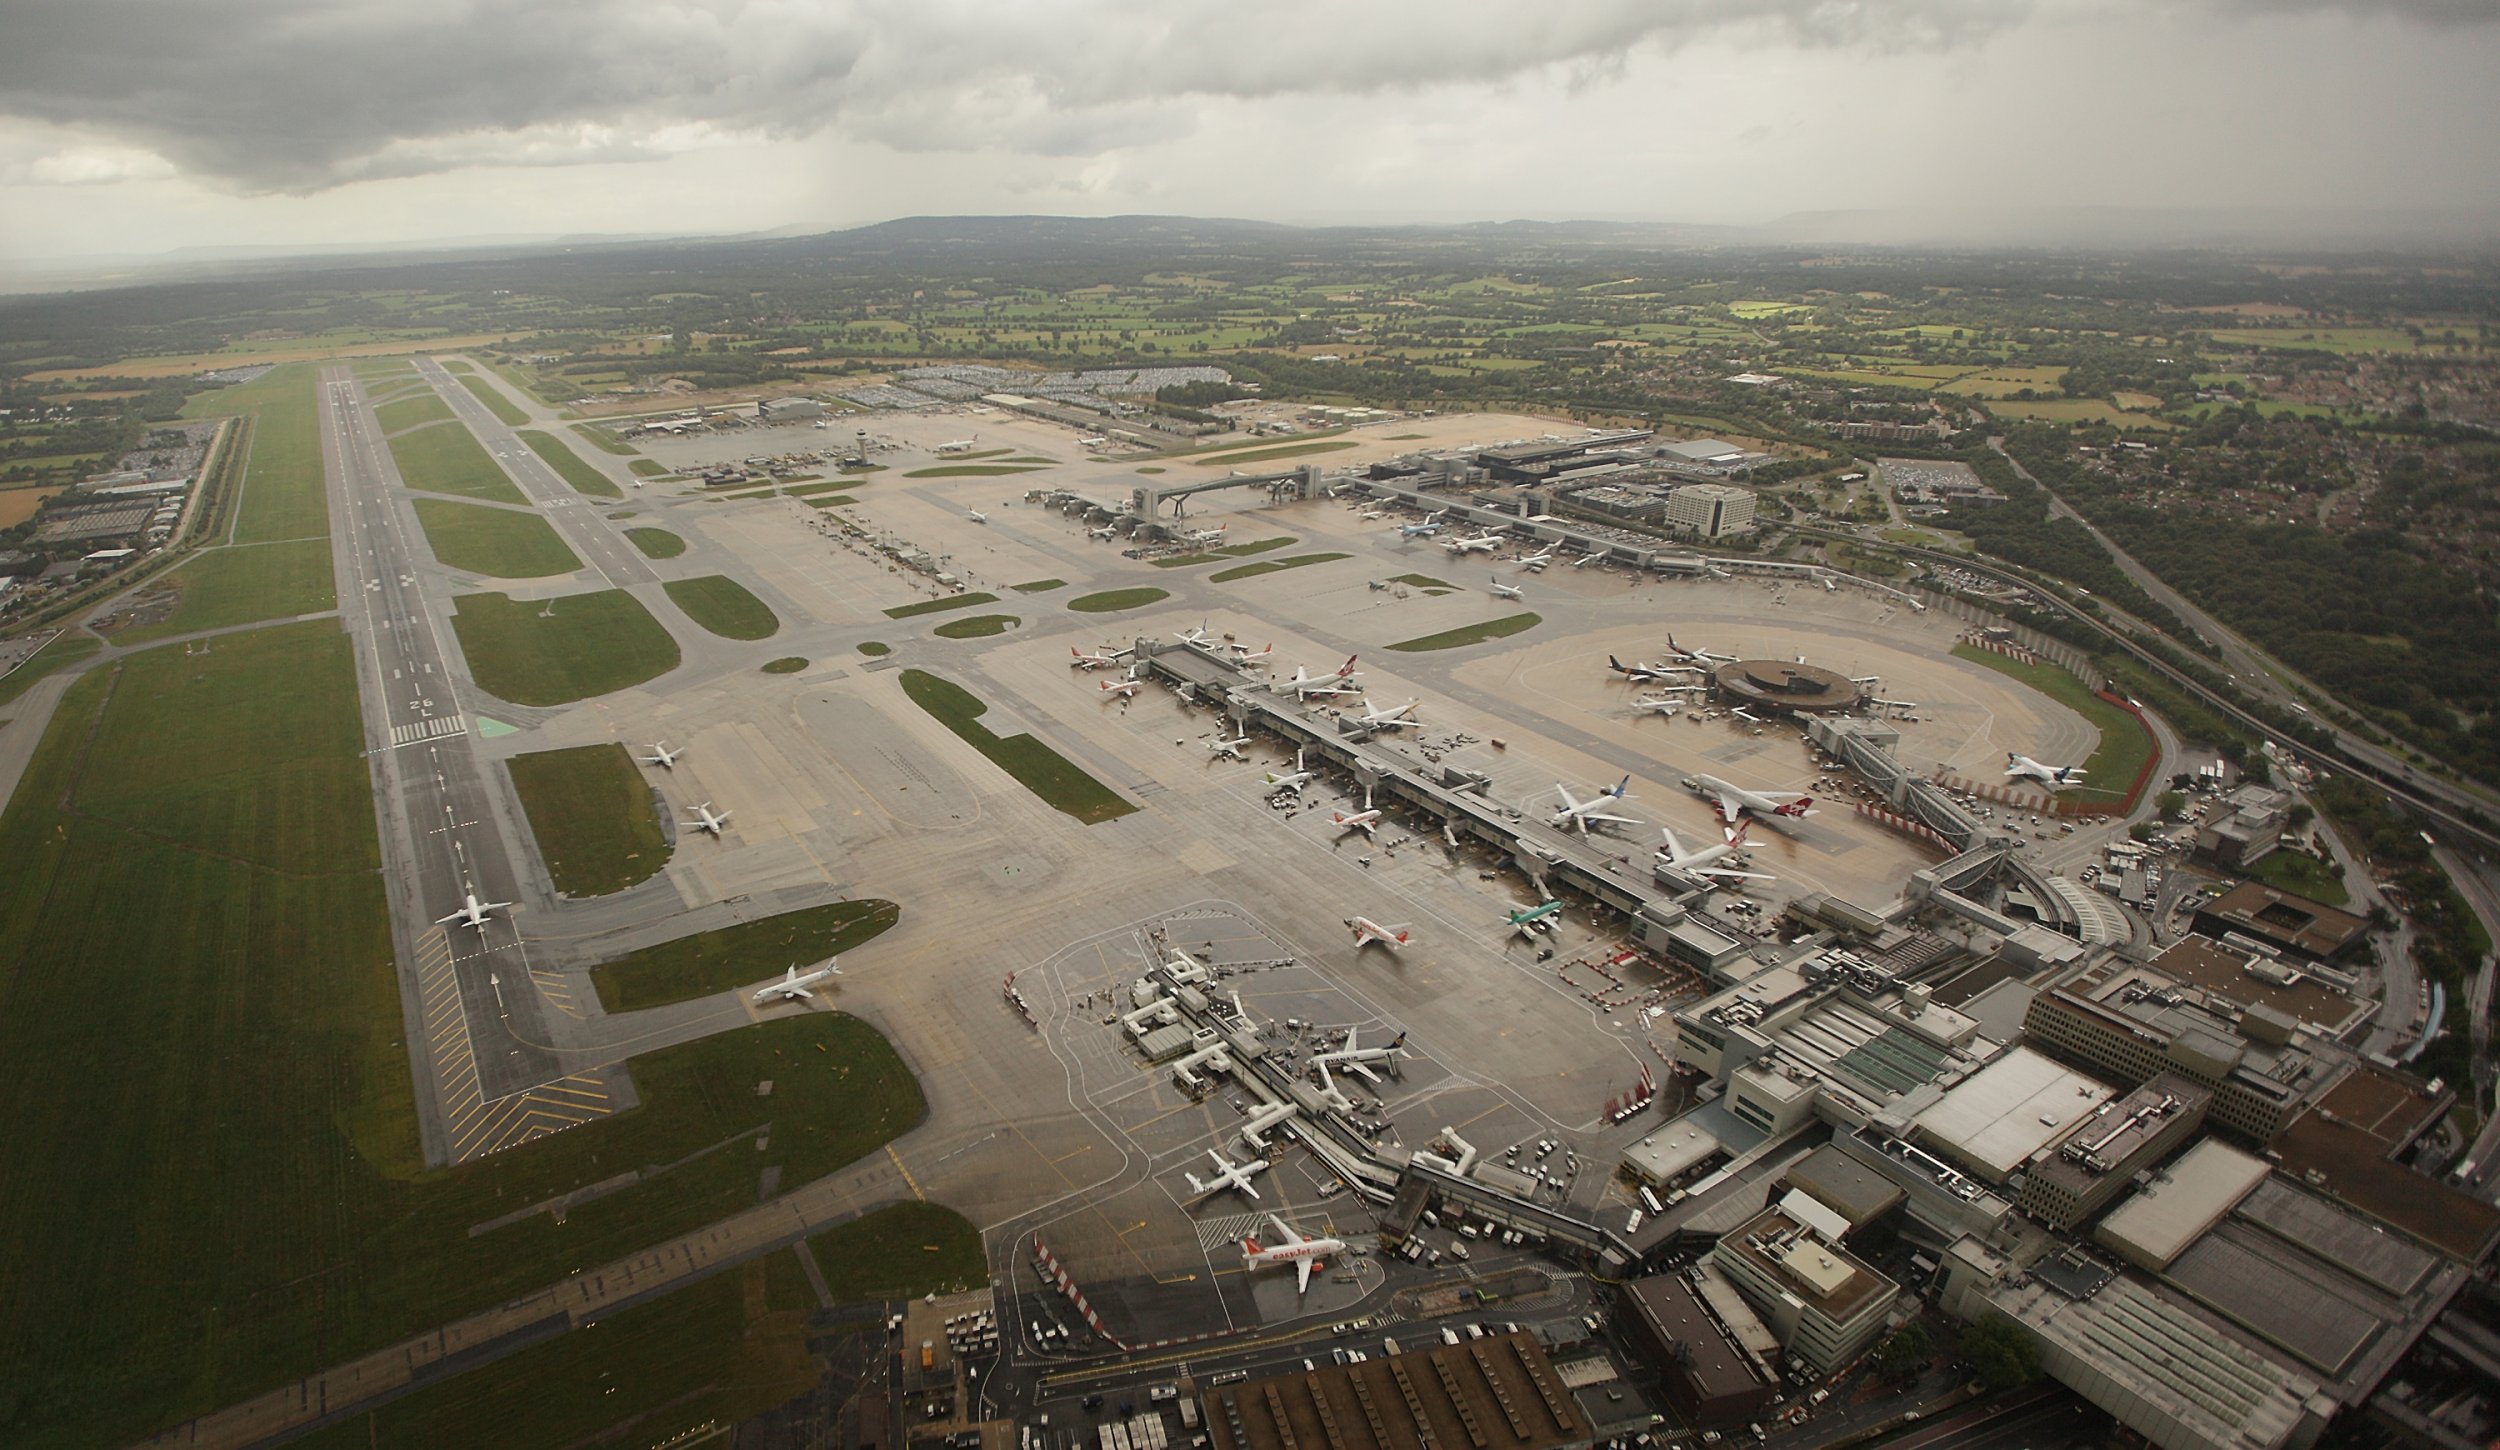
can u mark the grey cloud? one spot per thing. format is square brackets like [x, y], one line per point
[303, 95]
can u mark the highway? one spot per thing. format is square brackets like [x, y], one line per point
[599, 546]
[476, 1016]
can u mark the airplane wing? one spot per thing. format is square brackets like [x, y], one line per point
[1616, 820]
[1362, 1070]
[1302, 1269]
[1291, 1238]
[1740, 875]
[1731, 806]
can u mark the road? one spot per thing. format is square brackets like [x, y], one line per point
[2048, 1418]
[485, 1071]
[599, 546]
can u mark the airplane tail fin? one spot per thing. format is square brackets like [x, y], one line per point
[1251, 1246]
[1194, 1185]
[1622, 788]
[1796, 807]
[1347, 668]
[1737, 836]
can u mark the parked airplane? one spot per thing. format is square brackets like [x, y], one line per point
[1208, 536]
[960, 445]
[662, 756]
[1125, 689]
[1366, 931]
[794, 983]
[977, 516]
[1360, 1060]
[1675, 698]
[1100, 659]
[1305, 683]
[1703, 862]
[1469, 546]
[1199, 635]
[1703, 656]
[2055, 777]
[1363, 820]
[1244, 654]
[1371, 514]
[1537, 562]
[1106, 531]
[1304, 1254]
[1734, 800]
[473, 912]
[1430, 526]
[1507, 591]
[1228, 749]
[1292, 780]
[1397, 719]
[707, 822]
[1580, 813]
[1529, 920]
[1228, 1174]
[1647, 674]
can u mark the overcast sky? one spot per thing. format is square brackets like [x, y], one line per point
[146, 125]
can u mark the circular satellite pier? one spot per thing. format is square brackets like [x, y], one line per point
[1787, 687]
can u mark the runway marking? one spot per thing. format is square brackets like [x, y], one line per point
[1214, 1233]
[435, 729]
[906, 1172]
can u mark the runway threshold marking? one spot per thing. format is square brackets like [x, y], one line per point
[906, 1172]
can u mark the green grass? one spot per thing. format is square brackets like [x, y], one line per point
[604, 440]
[570, 466]
[1230, 551]
[66, 649]
[900, 1252]
[1271, 566]
[2302, 875]
[408, 412]
[496, 403]
[1421, 581]
[810, 490]
[1289, 450]
[1152, 468]
[2126, 745]
[367, 369]
[1040, 586]
[1038, 768]
[724, 606]
[874, 650]
[455, 365]
[786, 665]
[976, 626]
[284, 487]
[972, 470]
[656, 543]
[939, 606]
[737, 956]
[831, 501]
[557, 651]
[647, 467]
[713, 1353]
[1111, 601]
[221, 587]
[1468, 634]
[590, 810]
[447, 458]
[498, 543]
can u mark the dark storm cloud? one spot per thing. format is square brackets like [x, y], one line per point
[284, 95]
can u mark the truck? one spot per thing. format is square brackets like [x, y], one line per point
[1189, 1414]
[928, 1355]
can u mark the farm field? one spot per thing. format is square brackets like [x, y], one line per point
[736, 956]
[570, 466]
[590, 811]
[724, 606]
[1058, 781]
[447, 458]
[17, 505]
[498, 543]
[557, 651]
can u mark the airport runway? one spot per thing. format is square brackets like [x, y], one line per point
[486, 1071]
[599, 546]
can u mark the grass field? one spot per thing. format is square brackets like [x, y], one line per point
[604, 440]
[65, 649]
[656, 543]
[569, 465]
[973, 470]
[976, 626]
[1040, 586]
[590, 810]
[283, 485]
[1270, 566]
[498, 543]
[1423, 581]
[900, 1252]
[939, 606]
[1035, 766]
[175, 365]
[1502, 628]
[447, 458]
[874, 650]
[2075, 410]
[831, 500]
[455, 365]
[1267, 455]
[1112, 601]
[786, 665]
[1229, 551]
[242, 585]
[2126, 745]
[724, 606]
[496, 403]
[737, 956]
[648, 468]
[418, 407]
[2301, 874]
[557, 651]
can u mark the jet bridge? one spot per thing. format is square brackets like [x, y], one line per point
[1146, 501]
